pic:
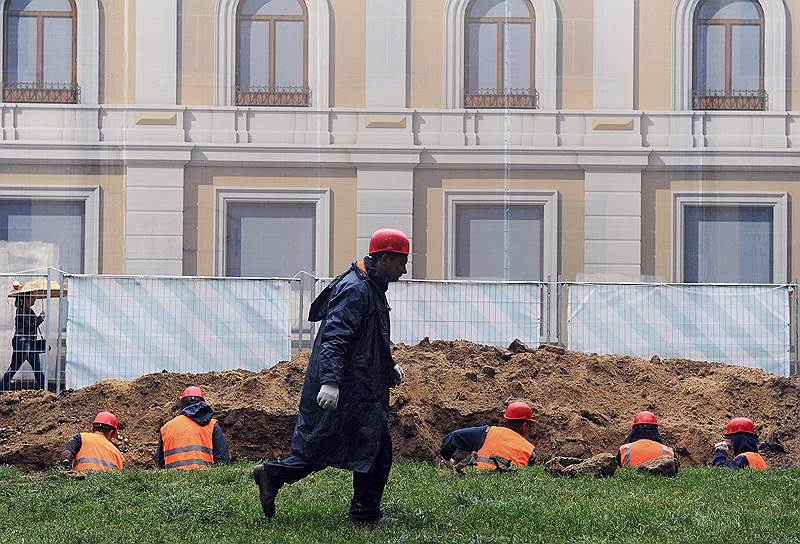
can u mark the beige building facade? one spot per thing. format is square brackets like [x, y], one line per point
[511, 139]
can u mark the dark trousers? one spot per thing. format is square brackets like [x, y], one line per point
[365, 507]
[23, 351]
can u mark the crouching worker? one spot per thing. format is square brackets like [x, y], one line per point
[742, 434]
[644, 443]
[508, 441]
[94, 450]
[193, 439]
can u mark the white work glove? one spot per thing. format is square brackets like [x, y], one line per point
[721, 446]
[399, 374]
[328, 396]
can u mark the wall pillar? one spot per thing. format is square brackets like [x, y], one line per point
[157, 52]
[385, 199]
[614, 27]
[386, 31]
[613, 222]
[154, 218]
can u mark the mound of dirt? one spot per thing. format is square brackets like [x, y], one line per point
[583, 404]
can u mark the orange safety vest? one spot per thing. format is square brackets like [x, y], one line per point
[641, 451]
[754, 460]
[97, 453]
[187, 444]
[505, 443]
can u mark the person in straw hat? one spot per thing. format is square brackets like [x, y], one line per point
[24, 343]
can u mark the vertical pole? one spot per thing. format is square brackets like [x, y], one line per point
[300, 319]
[559, 285]
[549, 306]
[61, 308]
[796, 330]
[47, 331]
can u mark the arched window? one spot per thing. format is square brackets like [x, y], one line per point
[272, 53]
[40, 51]
[729, 56]
[499, 70]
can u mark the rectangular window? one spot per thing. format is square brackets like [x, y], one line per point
[270, 239]
[728, 244]
[498, 241]
[289, 54]
[61, 223]
[254, 69]
[711, 56]
[518, 68]
[21, 61]
[57, 68]
[745, 58]
[482, 67]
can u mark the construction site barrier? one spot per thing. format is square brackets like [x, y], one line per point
[122, 327]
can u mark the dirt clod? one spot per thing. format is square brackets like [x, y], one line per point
[602, 464]
[662, 466]
[583, 405]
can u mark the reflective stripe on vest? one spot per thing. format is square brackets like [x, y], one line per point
[505, 443]
[754, 460]
[187, 444]
[642, 451]
[97, 453]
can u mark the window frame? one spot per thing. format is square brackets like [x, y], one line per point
[40, 93]
[501, 98]
[547, 199]
[779, 202]
[271, 97]
[727, 101]
[248, 195]
[88, 196]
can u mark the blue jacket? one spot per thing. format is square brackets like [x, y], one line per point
[201, 413]
[352, 349]
[742, 442]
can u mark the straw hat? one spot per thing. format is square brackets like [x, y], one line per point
[36, 289]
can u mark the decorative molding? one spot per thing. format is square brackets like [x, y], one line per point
[90, 196]
[779, 202]
[547, 199]
[546, 49]
[88, 49]
[319, 197]
[775, 53]
[318, 52]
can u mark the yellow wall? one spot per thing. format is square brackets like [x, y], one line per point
[657, 196]
[349, 60]
[429, 189]
[117, 67]
[112, 201]
[577, 68]
[427, 27]
[196, 52]
[199, 228]
[653, 60]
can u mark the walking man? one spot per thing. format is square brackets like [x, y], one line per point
[344, 405]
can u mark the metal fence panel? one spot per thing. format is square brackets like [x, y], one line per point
[125, 327]
[493, 313]
[734, 324]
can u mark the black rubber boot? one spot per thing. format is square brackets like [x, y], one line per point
[267, 490]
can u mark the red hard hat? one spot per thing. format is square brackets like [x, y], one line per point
[740, 425]
[644, 418]
[519, 410]
[192, 391]
[392, 240]
[107, 418]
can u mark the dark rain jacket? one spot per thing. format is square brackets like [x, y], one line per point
[26, 323]
[742, 442]
[202, 414]
[352, 349]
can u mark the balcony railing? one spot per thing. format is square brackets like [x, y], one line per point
[273, 96]
[47, 93]
[742, 100]
[501, 98]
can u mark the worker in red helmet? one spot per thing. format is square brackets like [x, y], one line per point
[741, 433]
[644, 443]
[509, 440]
[94, 450]
[344, 405]
[193, 439]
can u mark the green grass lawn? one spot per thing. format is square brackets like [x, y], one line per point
[221, 505]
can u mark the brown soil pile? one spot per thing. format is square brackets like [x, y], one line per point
[583, 404]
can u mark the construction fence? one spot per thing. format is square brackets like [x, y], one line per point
[122, 327]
